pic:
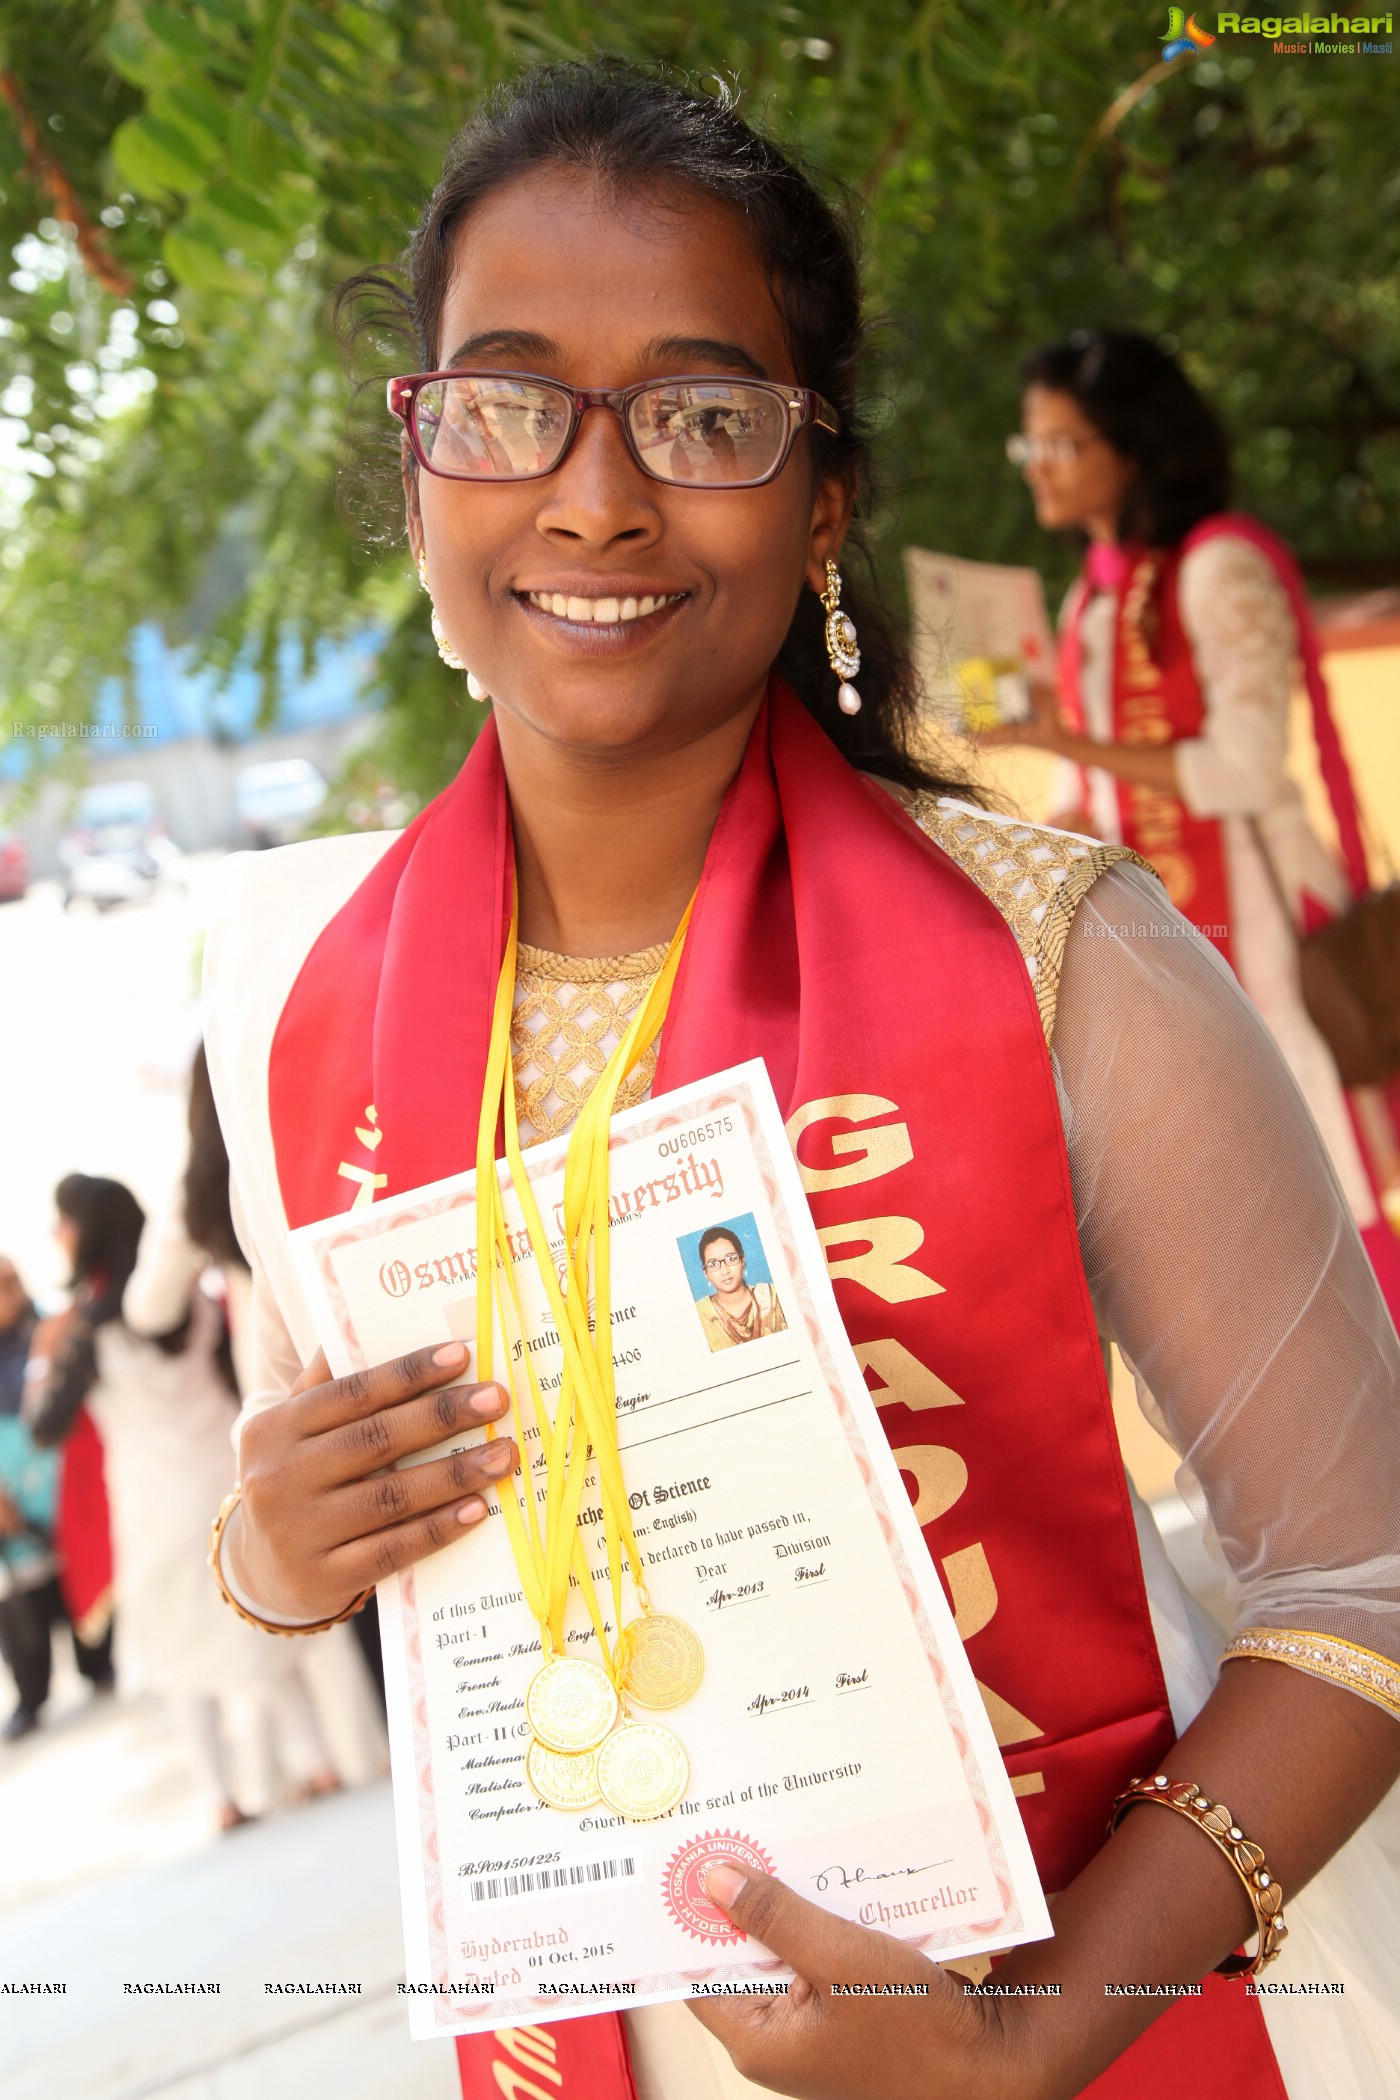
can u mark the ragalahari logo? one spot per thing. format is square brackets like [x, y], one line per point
[1185, 36]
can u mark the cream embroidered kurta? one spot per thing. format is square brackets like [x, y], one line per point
[1219, 1252]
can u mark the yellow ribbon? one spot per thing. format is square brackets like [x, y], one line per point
[587, 1411]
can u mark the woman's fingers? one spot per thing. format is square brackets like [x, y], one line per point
[351, 1449]
[365, 1561]
[405, 1492]
[330, 1403]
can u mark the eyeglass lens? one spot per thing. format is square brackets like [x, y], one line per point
[709, 431]
[1023, 451]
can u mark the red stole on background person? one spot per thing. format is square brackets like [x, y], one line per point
[83, 1531]
[887, 997]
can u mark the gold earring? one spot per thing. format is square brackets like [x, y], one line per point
[842, 648]
[444, 648]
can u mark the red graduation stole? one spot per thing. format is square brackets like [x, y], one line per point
[893, 1010]
[1157, 699]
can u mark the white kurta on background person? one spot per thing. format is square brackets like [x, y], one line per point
[166, 1423]
[1222, 1259]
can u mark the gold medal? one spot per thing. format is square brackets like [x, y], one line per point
[642, 1770]
[561, 1778]
[571, 1704]
[661, 1660]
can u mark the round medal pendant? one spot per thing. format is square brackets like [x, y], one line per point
[661, 1660]
[571, 1704]
[642, 1770]
[562, 1778]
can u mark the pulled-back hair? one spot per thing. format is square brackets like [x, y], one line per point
[1138, 397]
[636, 129]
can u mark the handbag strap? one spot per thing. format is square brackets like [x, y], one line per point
[1256, 832]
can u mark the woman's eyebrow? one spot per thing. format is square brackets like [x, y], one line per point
[681, 352]
[506, 342]
[692, 352]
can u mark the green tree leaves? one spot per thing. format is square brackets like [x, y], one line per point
[238, 158]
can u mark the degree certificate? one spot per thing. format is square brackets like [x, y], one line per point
[837, 1738]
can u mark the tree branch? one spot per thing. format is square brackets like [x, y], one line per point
[53, 180]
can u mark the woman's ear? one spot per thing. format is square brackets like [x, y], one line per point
[831, 519]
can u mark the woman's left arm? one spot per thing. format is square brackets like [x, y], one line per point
[1222, 1255]
[1243, 642]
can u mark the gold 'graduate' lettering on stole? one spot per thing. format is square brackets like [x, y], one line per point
[866, 1153]
[535, 2048]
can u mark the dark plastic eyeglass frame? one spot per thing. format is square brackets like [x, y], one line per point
[804, 408]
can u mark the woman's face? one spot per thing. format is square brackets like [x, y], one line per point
[67, 1233]
[1075, 475]
[724, 1265]
[557, 276]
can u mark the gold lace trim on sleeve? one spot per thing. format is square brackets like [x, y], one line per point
[1035, 877]
[1359, 1670]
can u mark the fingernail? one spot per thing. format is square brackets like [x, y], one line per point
[497, 1458]
[472, 1512]
[489, 1401]
[724, 1884]
[449, 1354]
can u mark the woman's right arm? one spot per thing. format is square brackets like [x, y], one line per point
[326, 1513]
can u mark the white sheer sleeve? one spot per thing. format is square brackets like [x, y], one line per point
[1224, 1262]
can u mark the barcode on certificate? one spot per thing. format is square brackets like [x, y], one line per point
[551, 1881]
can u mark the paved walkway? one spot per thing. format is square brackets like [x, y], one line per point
[302, 1898]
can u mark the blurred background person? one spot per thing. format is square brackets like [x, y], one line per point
[29, 1600]
[330, 1700]
[153, 1384]
[1179, 644]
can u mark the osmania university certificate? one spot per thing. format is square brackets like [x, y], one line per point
[837, 1738]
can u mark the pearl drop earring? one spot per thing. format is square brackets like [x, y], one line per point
[842, 648]
[444, 648]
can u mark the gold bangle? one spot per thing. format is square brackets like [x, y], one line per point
[226, 1509]
[1214, 1818]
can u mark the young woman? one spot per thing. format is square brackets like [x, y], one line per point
[1178, 650]
[1082, 1127]
[139, 1350]
[736, 1310]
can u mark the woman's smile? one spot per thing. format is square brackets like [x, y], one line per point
[604, 615]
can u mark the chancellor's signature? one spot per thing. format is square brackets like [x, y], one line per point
[832, 1877]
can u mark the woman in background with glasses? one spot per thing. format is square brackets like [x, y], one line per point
[611, 265]
[1180, 645]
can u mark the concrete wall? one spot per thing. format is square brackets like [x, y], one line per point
[192, 780]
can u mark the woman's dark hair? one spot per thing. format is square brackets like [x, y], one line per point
[719, 1232]
[110, 1222]
[1138, 397]
[634, 128]
[208, 1212]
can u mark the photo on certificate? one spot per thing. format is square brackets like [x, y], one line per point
[731, 1283]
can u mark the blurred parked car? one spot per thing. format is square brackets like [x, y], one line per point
[277, 800]
[14, 867]
[117, 850]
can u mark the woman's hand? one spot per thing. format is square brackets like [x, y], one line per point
[820, 2045]
[325, 1513]
[1044, 731]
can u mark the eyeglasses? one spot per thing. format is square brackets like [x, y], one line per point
[1023, 451]
[690, 432]
[723, 1261]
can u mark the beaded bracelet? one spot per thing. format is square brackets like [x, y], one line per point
[1214, 1818]
[226, 1510]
